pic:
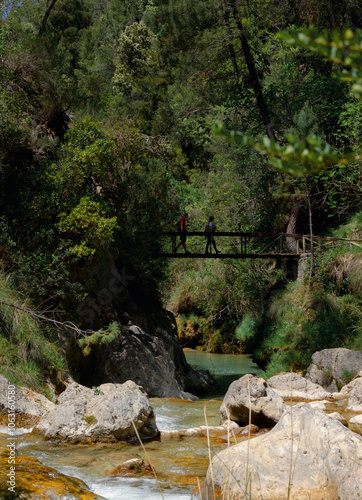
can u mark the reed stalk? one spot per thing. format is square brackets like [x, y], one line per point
[148, 459]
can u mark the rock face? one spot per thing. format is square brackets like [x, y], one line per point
[27, 402]
[148, 360]
[333, 368]
[294, 386]
[102, 414]
[322, 457]
[146, 351]
[265, 404]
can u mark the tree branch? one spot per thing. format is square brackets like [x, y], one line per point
[65, 324]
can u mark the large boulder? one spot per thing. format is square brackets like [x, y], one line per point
[309, 453]
[106, 413]
[251, 394]
[146, 350]
[27, 402]
[294, 386]
[355, 396]
[333, 368]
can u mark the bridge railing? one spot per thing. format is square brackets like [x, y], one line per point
[239, 243]
[251, 245]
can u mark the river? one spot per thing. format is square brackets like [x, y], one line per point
[177, 462]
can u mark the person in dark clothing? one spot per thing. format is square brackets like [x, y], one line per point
[182, 228]
[209, 235]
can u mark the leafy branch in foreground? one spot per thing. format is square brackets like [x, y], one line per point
[313, 154]
[296, 157]
[343, 49]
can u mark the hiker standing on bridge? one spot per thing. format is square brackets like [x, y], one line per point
[182, 229]
[209, 234]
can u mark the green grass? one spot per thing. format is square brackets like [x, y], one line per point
[28, 354]
[90, 419]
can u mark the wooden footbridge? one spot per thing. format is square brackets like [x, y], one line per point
[238, 245]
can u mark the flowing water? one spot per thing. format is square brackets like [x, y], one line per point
[177, 462]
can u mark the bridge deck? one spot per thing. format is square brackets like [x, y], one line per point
[240, 245]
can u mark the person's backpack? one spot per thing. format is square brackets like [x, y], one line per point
[178, 225]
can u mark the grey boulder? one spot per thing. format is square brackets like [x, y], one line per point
[250, 395]
[309, 453]
[106, 414]
[27, 402]
[294, 386]
[333, 368]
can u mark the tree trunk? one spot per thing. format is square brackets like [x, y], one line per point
[230, 45]
[252, 72]
[46, 15]
[292, 225]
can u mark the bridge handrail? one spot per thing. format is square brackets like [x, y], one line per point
[234, 233]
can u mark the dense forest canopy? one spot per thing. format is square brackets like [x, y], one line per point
[107, 132]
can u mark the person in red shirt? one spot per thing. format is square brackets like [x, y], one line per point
[182, 228]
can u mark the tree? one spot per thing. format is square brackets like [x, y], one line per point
[264, 112]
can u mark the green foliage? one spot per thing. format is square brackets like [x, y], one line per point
[97, 391]
[343, 49]
[247, 328]
[308, 322]
[312, 154]
[90, 419]
[154, 77]
[89, 226]
[135, 56]
[221, 294]
[28, 350]
[299, 158]
[302, 157]
[103, 336]
[347, 376]
[101, 193]
[302, 321]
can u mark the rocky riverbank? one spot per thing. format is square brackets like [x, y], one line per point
[309, 453]
[263, 419]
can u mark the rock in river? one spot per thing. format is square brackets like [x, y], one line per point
[102, 414]
[333, 368]
[251, 392]
[27, 402]
[294, 386]
[313, 454]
